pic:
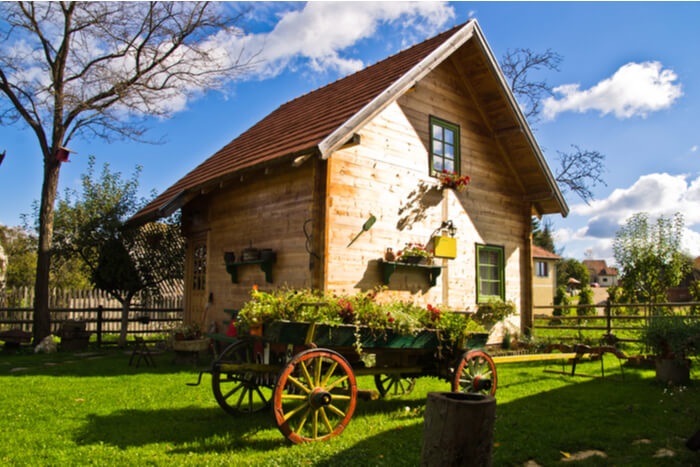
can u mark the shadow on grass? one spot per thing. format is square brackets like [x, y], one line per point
[95, 363]
[586, 414]
[203, 429]
[197, 429]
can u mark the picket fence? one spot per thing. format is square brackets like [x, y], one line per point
[100, 311]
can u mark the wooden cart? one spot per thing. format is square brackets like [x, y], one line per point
[306, 372]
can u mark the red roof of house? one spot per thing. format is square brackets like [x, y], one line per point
[301, 124]
[538, 252]
[599, 267]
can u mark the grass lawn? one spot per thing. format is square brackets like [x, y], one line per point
[87, 410]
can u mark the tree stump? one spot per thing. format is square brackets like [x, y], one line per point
[458, 429]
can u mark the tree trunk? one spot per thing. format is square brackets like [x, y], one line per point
[126, 306]
[458, 429]
[42, 319]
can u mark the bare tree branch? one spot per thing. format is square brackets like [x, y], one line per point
[580, 171]
[100, 69]
[517, 66]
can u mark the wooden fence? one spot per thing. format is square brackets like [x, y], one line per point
[101, 313]
[609, 319]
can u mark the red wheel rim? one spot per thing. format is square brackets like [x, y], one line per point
[473, 372]
[315, 396]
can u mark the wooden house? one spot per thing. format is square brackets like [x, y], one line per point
[600, 273]
[304, 180]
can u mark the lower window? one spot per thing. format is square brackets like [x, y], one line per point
[490, 277]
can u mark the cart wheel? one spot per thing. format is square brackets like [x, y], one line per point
[394, 385]
[315, 396]
[476, 373]
[241, 392]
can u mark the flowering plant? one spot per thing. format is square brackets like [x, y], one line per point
[414, 249]
[452, 180]
[362, 309]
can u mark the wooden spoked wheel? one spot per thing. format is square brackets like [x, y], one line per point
[241, 392]
[476, 373]
[315, 396]
[394, 385]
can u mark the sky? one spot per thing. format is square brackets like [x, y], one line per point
[628, 87]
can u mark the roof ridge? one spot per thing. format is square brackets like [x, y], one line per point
[367, 67]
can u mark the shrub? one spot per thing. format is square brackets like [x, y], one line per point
[672, 337]
[585, 298]
[494, 311]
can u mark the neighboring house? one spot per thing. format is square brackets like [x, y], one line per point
[600, 273]
[544, 280]
[304, 180]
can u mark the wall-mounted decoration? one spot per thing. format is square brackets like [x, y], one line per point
[445, 247]
[365, 227]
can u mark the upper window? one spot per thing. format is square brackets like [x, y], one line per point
[490, 272]
[542, 268]
[444, 146]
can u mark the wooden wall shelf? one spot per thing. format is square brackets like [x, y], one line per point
[265, 266]
[388, 268]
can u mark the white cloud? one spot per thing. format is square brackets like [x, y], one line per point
[316, 35]
[659, 194]
[694, 148]
[636, 89]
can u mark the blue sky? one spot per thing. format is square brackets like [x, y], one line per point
[629, 87]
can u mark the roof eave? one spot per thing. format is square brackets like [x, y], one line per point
[481, 39]
[337, 138]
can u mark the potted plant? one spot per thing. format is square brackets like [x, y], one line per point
[188, 338]
[414, 253]
[453, 180]
[672, 339]
[493, 311]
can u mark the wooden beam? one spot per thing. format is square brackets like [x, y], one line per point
[472, 94]
[355, 140]
[542, 196]
[505, 132]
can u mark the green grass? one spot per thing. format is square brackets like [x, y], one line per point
[102, 411]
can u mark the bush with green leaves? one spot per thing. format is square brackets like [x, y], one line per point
[672, 337]
[362, 309]
[561, 298]
[585, 297]
[492, 312]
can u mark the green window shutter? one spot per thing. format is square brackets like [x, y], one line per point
[490, 273]
[444, 146]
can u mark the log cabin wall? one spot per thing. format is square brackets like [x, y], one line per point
[388, 176]
[268, 209]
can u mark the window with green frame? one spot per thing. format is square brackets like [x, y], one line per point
[490, 273]
[444, 146]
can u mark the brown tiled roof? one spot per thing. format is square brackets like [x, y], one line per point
[538, 252]
[599, 267]
[301, 124]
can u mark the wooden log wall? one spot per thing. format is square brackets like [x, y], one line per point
[388, 176]
[267, 208]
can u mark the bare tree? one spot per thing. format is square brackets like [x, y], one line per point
[517, 65]
[578, 171]
[100, 69]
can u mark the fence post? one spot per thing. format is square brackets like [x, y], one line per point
[608, 316]
[99, 326]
